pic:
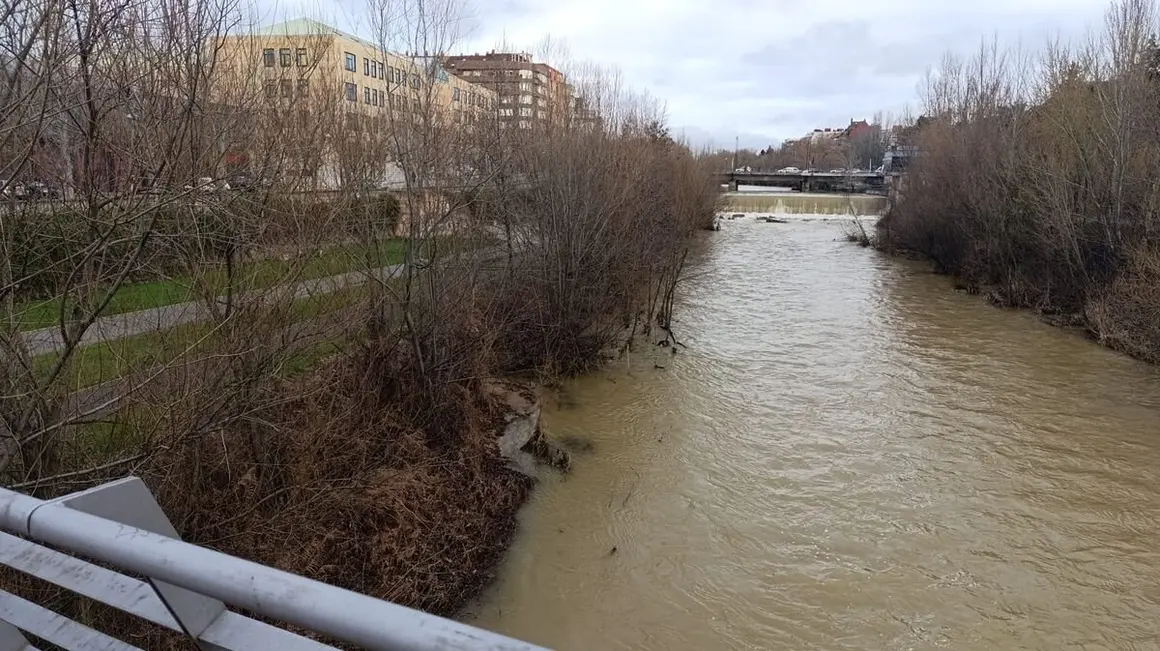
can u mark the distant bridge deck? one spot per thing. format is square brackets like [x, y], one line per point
[808, 181]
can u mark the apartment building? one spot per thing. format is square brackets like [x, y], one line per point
[528, 92]
[318, 75]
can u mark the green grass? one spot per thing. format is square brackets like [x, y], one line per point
[115, 434]
[91, 365]
[136, 296]
[97, 363]
[257, 274]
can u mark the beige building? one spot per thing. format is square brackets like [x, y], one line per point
[336, 92]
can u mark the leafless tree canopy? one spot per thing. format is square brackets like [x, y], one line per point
[257, 395]
[1037, 178]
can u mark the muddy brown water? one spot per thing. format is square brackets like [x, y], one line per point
[849, 455]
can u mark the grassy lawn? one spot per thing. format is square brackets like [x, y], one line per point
[115, 433]
[256, 274]
[108, 360]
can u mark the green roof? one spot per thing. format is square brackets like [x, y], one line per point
[307, 27]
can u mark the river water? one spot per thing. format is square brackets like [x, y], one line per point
[848, 455]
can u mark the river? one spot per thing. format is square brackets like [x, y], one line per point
[848, 455]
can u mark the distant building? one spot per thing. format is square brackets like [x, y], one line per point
[819, 135]
[528, 92]
[899, 157]
[857, 129]
[347, 91]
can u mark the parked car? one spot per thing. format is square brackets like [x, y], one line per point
[244, 181]
[204, 184]
[240, 181]
[13, 189]
[42, 190]
[789, 170]
[838, 171]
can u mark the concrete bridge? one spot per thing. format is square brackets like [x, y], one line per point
[809, 181]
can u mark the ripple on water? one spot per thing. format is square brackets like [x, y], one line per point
[848, 455]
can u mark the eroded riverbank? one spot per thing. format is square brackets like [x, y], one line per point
[849, 455]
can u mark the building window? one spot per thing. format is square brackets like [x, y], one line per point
[284, 58]
[352, 121]
[300, 55]
[382, 70]
[366, 67]
[454, 94]
[366, 96]
[507, 113]
[268, 57]
[400, 76]
[525, 113]
[525, 99]
[350, 91]
[303, 87]
[286, 87]
[416, 82]
[271, 90]
[349, 62]
[390, 73]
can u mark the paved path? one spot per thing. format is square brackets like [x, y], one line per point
[117, 326]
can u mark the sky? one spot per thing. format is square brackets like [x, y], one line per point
[760, 71]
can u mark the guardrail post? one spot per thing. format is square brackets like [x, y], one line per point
[130, 502]
[11, 639]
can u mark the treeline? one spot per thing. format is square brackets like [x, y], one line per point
[862, 146]
[1037, 179]
[341, 433]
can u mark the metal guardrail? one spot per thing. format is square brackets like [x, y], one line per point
[186, 588]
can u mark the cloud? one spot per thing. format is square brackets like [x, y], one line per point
[766, 70]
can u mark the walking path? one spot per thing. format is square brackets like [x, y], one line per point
[118, 326]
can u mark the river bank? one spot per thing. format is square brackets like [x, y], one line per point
[375, 464]
[1120, 311]
[1062, 217]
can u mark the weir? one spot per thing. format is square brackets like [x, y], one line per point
[793, 203]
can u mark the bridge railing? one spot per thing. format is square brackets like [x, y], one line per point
[147, 571]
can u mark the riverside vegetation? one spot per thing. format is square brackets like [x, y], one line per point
[342, 436]
[1037, 179]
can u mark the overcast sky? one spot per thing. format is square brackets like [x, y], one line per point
[761, 70]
